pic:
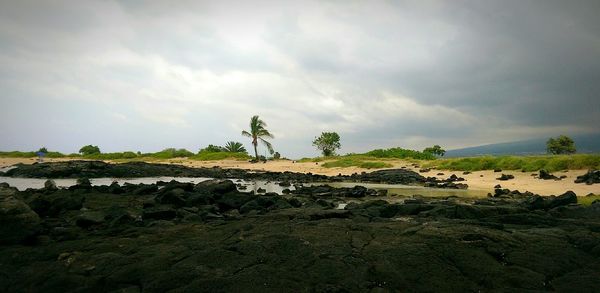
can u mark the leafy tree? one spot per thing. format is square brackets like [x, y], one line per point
[43, 150]
[560, 145]
[276, 156]
[89, 150]
[211, 148]
[435, 150]
[234, 147]
[173, 153]
[257, 132]
[327, 143]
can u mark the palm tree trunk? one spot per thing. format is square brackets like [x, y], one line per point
[254, 143]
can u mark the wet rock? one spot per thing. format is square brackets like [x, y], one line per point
[497, 170]
[261, 190]
[497, 186]
[466, 173]
[19, 223]
[424, 170]
[591, 177]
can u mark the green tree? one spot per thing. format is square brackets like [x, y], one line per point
[43, 150]
[234, 147]
[211, 148]
[435, 150]
[327, 143]
[89, 150]
[560, 145]
[276, 156]
[258, 132]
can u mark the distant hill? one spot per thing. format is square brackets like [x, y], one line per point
[584, 144]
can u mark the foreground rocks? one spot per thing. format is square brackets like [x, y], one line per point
[209, 237]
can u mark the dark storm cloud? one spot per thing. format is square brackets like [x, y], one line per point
[394, 73]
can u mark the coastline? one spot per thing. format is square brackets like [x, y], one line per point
[477, 180]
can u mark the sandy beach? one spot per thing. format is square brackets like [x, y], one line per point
[479, 180]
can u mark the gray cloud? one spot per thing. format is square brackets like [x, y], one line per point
[134, 75]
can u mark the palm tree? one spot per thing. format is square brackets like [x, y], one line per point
[257, 132]
[234, 147]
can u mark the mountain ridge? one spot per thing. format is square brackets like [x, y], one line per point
[589, 143]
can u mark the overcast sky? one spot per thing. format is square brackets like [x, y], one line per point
[146, 75]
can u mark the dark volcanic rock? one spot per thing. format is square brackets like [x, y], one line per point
[159, 213]
[18, 222]
[90, 218]
[216, 186]
[545, 175]
[328, 191]
[50, 185]
[505, 177]
[516, 242]
[591, 177]
[392, 176]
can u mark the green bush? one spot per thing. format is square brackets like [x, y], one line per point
[17, 154]
[400, 153]
[170, 153]
[212, 149]
[112, 156]
[525, 163]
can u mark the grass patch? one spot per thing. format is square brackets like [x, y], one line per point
[357, 162]
[215, 156]
[525, 163]
[587, 200]
[317, 159]
[400, 153]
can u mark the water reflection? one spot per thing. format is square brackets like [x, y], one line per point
[258, 186]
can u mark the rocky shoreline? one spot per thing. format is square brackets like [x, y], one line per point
[99, 169]
[210, 237]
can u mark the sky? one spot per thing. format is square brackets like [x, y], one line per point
[147, 75]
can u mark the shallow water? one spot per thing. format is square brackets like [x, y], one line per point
[393, 189]
[408, 190]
